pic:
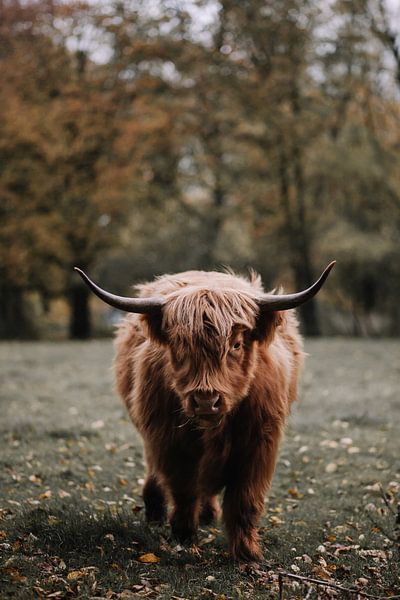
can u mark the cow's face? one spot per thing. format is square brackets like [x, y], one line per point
[211, 347]
[211, 375]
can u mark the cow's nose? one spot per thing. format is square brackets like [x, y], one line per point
[205, 403]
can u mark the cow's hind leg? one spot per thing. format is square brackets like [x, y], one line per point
[154, 500]
[210, 510]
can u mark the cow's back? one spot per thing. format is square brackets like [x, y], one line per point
[170, 284]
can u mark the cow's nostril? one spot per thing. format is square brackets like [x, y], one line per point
[206, 403]
[216, 402]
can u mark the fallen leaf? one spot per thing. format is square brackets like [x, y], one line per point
[275, 521]
[322, 573]
[149, 558]
[35, 479]
[75, 575]
[294, 493]
[127, 594]
[342, 549]
[14, 574]
[46, 495]
[63, 494]
[376, 554]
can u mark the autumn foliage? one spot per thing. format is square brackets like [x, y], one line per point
[135, 142]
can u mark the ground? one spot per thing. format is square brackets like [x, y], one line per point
[71, 518]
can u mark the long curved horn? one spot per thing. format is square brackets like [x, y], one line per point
[286, 301]
[134, 305]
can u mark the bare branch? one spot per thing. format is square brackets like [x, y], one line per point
[335, 586]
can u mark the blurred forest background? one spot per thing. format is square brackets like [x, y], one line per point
[139, 137]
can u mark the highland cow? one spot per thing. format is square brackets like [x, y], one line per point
[208, 371]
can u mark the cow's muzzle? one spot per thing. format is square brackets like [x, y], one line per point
[206, 405]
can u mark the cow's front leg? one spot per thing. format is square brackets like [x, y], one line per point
[185, 516]
[210, 510]
[242, 511]
[250, 473]
[154, 500]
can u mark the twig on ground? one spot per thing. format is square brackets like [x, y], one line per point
[386, 501]
[335, 586]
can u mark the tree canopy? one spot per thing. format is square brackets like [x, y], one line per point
[137, 139]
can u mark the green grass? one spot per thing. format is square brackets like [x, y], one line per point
[71, 518]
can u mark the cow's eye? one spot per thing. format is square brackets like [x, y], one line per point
[236, 346]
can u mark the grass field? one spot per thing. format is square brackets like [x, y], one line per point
[71, 522]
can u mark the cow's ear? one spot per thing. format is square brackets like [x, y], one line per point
[154, 325]
[266, 324]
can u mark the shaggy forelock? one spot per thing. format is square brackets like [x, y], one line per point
[199, 317]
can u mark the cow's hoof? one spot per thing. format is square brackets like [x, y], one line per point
[247, 553]
[183, 534]
[251, 568]
[156, 516]
[209, 513]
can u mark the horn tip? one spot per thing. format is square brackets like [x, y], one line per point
[327, 270]
[330, 266]
[81, 273]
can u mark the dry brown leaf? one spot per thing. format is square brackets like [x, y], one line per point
[149, 558]
[342, 549]
[322, 573]
[46, 495]
[35, 479]
[275, 521]
[294, 493]
[75, 575]
[15, 574]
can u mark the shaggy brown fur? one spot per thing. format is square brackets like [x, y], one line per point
[212, 350]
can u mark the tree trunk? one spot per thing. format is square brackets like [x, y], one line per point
[80, 322]
[214, 223]
[14, 320]
[308, 311]
[298, 241]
